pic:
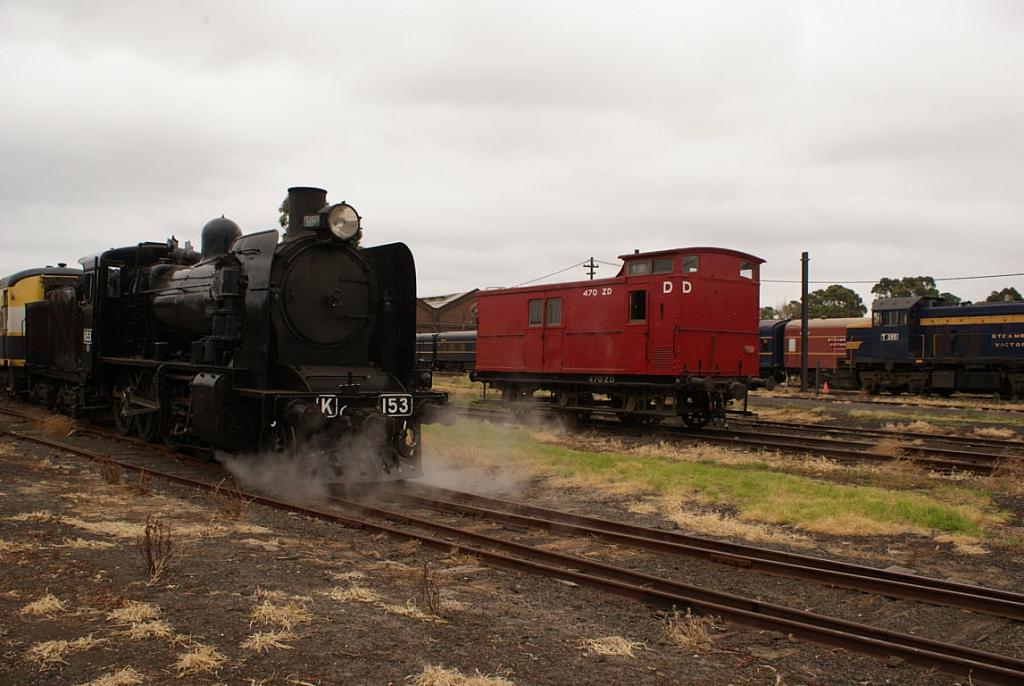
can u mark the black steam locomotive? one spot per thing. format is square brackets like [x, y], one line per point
[305, 346]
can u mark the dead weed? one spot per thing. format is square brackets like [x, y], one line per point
[917, 426]
[1007, 477]
[157, 548]
[47, 606]
[199, 659]
[127, 676]
[611, 645]
[689, 631]
[132, 612]
[285, 615]
[436, 675]
[142, 631]
[995, 432]
[49, 654]
[230, 503]
[57, 425]
[263, 641]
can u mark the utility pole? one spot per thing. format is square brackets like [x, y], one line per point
[591, 267]
[804, 261]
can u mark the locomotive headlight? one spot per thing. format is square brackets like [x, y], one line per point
[343, 221]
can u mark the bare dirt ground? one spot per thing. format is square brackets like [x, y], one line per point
[256, 596]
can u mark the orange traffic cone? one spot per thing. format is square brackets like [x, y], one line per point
[824, 389]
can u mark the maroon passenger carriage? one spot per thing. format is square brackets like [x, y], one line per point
[675, 333]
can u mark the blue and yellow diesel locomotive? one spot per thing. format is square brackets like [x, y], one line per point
[921, 344]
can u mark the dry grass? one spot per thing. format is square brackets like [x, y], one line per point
[354, 594]
[429, 591]
[965, 545]
[689, 631]
[127, 676]
[793, 414]
[47, 606]
[410, 547]
[156, 547]
[142, 485]
[116, 529]
[917, 427]
[263, 641]
[84, 544]
[37, 516]
[57, 425]
[1007, 478]
[11, 547]
[200, 659]
[360, 594]
[436, 675]
[995, 432]
[611, 645]
[110, 472]
[715, 524]
[889, 447]
[410, 610]
[143, 631]
[49, 654]
[132, 612]
[230, 503]
[285, 615]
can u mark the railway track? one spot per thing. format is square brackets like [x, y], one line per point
[657, 592]
[848, 445]
[843, 395]
[745, 557]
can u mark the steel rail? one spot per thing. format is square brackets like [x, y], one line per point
[836, 430]
[662, 593]
[907, 586]
[728, 605]
[982, 464]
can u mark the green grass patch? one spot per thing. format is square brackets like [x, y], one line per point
[756, 491]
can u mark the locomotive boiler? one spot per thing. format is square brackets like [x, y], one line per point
[301, 345]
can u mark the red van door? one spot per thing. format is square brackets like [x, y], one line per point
[533, 338]
[553, 335]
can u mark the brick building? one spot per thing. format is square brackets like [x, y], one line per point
[452, 312]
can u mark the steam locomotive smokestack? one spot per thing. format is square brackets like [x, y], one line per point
[303, 201]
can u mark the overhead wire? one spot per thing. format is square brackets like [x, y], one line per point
[874, 281]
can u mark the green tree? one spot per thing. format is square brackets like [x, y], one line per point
[834, 301]
[790, 310]
[283, 211]
[769, 312]
[910, 286]
[1008, 294]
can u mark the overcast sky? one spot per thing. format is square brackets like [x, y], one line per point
[504, 141]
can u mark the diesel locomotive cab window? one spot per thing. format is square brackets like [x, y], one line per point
[891, 318]
[639, 268]
[637, 306]
[113, 282]
[536, 312]
[554, 311]
[691, 263]
[662, 266]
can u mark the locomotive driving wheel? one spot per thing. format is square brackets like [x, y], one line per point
[147, 426]
[696, 420]
[120, 400]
